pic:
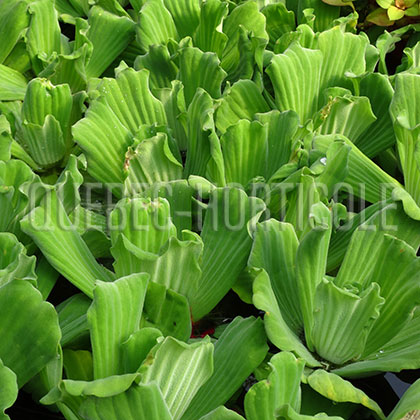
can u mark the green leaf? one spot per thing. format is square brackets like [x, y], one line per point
[43, 36]
[279, 21]
[281, 387]
[395, 13]
[137, 347]
[237, 353]
[199, 69]
[278, 332]
[245, 151]
[167, 311]
[204, 155]
[150, 162]
[179, 370]
[13, 21]
[12, 84]
[242, 101]
[402, 352]
[72, 316]
[155, 25]
[404, 110]
[78, 364]
[222, 413]
[9, 391]
[108, 36]
[207, 36]
[14, 263]
[227, 243]
[245, 16]
[342, 321]
[51, 229]
[140, 402]
[324, 13]
[408, 404]
[30, 330]
[380, 135]
[311, 261]
[124, 105]
[295, 76]
[274, 250]
[186, 15]
[337, 389]
[145, 223]
[347, 115]
[114, 315]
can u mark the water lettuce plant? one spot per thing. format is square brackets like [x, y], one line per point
[209, 210]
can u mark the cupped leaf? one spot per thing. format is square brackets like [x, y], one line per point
[311, 261]
[179, 370]
[274, 250]
[30, 330]
[229, 218]
[114, 315]
[408, 404]
[278, 332]
[155, 25]
[338, 389]
[9, 390]
[222, 413]
[167, 311]
[140, 402]
[238, 352]
[152, 161]
[342, 321]
[242, 101]
[186, 15]
[282, 387]
[14, 263]
[51, 229]
[12, 84]
[124, 105]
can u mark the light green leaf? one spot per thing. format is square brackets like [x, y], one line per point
[274, 250]
[380, 135]
[124, 105]
[342, 321]
[179, 370]
[337, 389]
[14, 263]
[140, 402]
[281, 387]
[311, 261]
[51, 229]
[72, 316]
[29, 329]
[12, 84]
[186, 15]
[167, 311]
[152, 161]
[402, 352]
[404, 110]
[155, 25]
[78, 364]
[222, 413]
[203, 145]
[295, 76]
[242, 101]
[13, 21]
[108, 35]
[277, 330]
[114, 315]
[324, 13]
[245, 151]
[137, 347]
[229, 218]
[199, 69]
[279, 21]
[208, 37]
[408, 404]
[239, 350]
[9, 390]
